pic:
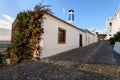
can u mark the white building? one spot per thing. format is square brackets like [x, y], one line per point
[113, 25]
[60, 36]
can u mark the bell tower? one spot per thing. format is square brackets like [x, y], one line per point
[71, 16]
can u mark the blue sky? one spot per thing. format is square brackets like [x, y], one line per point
[89, 14]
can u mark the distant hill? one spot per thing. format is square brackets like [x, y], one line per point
[4, 44]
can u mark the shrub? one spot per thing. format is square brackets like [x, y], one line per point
[4, 56]
[112, 40]
[115, 38]
[1, 58]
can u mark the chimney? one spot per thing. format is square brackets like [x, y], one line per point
[71, 16]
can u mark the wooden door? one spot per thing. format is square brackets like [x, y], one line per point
[80, 40]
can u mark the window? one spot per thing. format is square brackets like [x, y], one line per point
[61, 36]
[110, 24]
[71, 17]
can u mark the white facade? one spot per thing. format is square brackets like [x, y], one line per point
[113, 25]
[117, 47]
[109, 28]
[49, 40]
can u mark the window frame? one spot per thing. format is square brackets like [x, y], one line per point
[59, 42]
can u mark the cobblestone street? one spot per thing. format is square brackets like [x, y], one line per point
[105, 55]
[104, 61]
[97, 61]
[80, 55]
[98, 58]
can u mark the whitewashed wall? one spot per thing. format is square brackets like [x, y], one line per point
[95, 38]
[89, 39]
[50, 37]
[117, 47]
[115, 25]
[49, 40]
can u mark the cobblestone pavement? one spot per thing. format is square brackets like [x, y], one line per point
[104, 61]
[99, 58]
[46, 71]
[94, 62]
[105, 55]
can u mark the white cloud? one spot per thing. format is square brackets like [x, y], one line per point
[6, 22]
[9, 18]
[100, 31]
[5, 27]
[63, 10]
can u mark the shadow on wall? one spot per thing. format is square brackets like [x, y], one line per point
[116, 53]
[117, 47]
[117, 58]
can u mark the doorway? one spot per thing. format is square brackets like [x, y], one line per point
[80, 40]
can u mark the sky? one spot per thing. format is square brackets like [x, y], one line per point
[89, 14]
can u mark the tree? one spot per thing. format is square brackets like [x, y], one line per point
[41, 7]
[117, 37]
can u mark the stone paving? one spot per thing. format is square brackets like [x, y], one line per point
[80, 55]
[105, 55]
[105, 61]
[97, 61]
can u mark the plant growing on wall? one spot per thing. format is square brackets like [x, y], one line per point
[26, 36]
[26, 32]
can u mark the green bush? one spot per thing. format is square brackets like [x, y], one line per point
[1, 57]
[115, 38]
[112, 40]
[4, 56]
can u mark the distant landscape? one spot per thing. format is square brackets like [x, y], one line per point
[4, 44]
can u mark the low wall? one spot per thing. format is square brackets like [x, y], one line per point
[117, 47]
